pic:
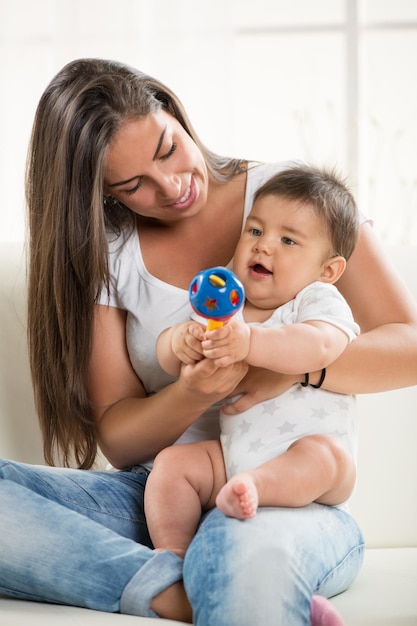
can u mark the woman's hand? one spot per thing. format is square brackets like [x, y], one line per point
[132, 427]
[212, 383]
[257, 386]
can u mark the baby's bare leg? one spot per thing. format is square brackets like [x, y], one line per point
[313, 469]
[337, 475]
[184, 481]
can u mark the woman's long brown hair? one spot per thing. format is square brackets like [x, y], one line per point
[77, 116]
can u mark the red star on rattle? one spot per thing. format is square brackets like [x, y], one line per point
[210, 304]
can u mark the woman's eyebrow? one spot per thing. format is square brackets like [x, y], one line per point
[158, 147]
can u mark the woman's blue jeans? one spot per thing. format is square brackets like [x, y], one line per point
[79, 538]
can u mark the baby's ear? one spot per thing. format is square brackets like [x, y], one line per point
[332, 269]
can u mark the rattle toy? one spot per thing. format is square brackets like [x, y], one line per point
[216, 294]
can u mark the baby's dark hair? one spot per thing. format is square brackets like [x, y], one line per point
[327, 194]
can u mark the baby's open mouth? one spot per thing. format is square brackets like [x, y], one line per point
[260, 269]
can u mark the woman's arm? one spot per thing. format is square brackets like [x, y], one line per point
[384, 356]
[131, 427]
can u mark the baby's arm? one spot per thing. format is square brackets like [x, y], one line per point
[300, 347]
[179, 344]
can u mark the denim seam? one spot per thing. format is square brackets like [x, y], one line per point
[71, 502]
[96, 509]
[359, 548]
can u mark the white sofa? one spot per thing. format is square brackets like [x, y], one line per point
[385, 502]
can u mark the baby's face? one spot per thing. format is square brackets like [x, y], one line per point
[283, 249]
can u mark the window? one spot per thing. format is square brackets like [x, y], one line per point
[329, 81]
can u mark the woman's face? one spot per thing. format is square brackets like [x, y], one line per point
[156, 170]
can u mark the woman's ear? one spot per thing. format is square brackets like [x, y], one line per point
[332, 269]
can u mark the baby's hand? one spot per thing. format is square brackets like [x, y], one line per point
[186, 342]
[228, 344]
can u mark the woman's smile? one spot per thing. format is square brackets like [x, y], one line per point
[187, 199]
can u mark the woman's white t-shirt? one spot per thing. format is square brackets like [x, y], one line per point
[153, 305]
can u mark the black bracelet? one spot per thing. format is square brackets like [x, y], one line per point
[319, 384]
[321, 381]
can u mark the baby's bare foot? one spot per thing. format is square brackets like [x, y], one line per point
[239, 497]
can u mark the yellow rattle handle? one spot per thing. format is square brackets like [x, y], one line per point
[213, 324]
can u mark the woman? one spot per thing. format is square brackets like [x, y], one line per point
[125, 206]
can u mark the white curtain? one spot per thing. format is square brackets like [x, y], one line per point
[329, 81]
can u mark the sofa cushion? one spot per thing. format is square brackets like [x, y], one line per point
[385, 592]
